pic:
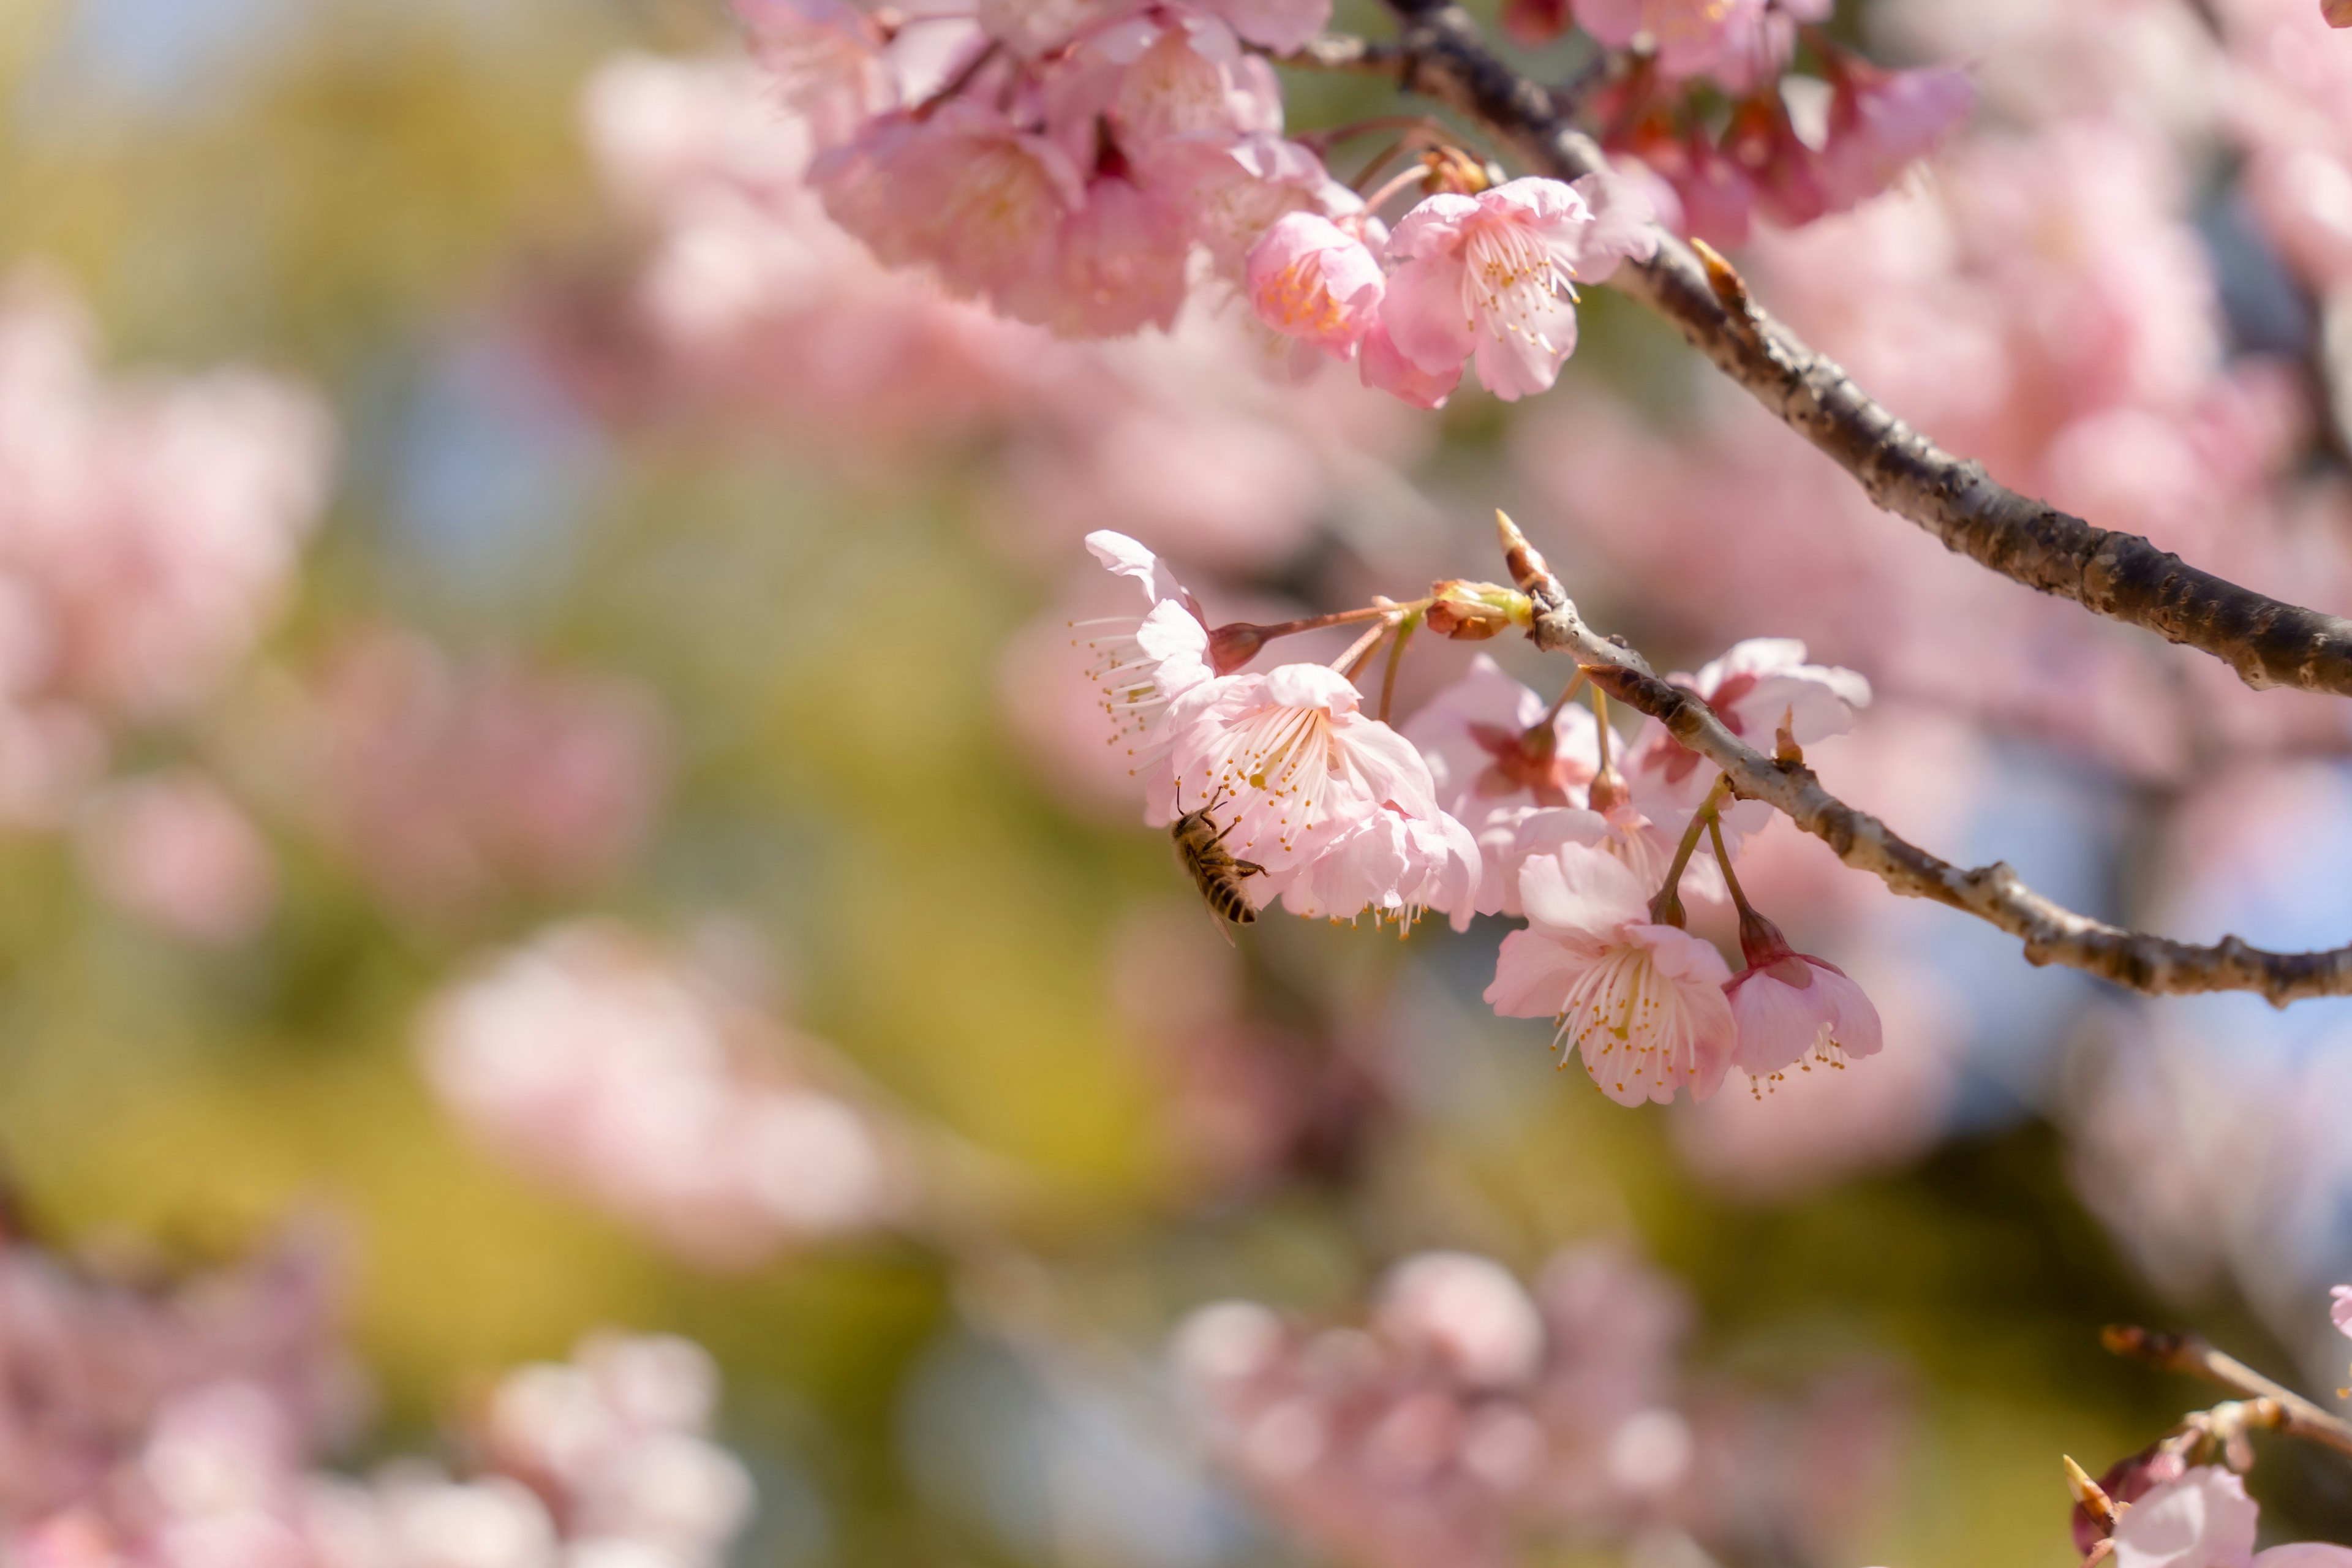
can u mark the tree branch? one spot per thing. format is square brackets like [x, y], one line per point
[2296, 1417]
[1442, 55]
[2051, 933]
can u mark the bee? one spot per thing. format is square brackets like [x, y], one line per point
[1201, 850]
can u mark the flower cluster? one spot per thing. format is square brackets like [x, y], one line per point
[1468, 1414]
[185, 1431]
[644, 1081]
[1058, 161]
[1491, 801]
[1084, 163]
[148, 529]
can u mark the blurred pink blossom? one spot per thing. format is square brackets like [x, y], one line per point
[609, 1068]
[446, 779]
[149, 528]
[172, 849]
[1689, 35]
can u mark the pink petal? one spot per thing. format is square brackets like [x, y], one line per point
[1386, 370]
[1583, 891]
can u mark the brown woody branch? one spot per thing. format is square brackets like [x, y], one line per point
[2051, 933]
[2286, 1411]
[1442, 55]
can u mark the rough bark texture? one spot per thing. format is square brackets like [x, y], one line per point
[1442, 54]
[2051, 932]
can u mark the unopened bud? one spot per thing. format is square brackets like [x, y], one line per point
[2337, 13]
[1472, 612]
[1666, 907]
[1233, 645]
[1449, 169]
[1785, 748]
[2088, 1497]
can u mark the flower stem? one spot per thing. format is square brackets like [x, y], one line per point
[1601, 725]
[1715, 831]
[1553, 717]
[1404, 178]
[1669, 896]
[1316, 623]
[1405, 629]
[1360, 652]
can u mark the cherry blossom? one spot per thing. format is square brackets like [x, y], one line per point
[1143, 664]
[1490, 277]
[1389, 865]
[1312, 280]
[2204, 1519]
[1689, 35]
[1294, 760]
[1881, 123]
[1790, 1005]
[1516, 778]
[1758, 689]
[965, 192]
[2339, 1311]
[1641, 1002]
[604, 1065]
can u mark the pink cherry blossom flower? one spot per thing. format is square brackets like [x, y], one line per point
[1390, 866]
[1293, 762]
[1516, 782]
[1641, 1002]
[1234, 189]
[1185, 76]
[1277, 25]
[1881, 123]
[1143, 664]
[2204, 1519]
[1790, 1004]
[1758, 688]
[1385, 369]
[826, 58]
[1121, 263]
[1689, 35]
[1313, 281]
[964, 192]
[1490, 277]
[2339, 1311]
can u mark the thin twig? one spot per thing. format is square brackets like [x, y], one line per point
[1442, 55]
[1405, 629]
[1995, 894]
[1345, 52]
[2295, 1416]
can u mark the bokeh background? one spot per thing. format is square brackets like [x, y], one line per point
[592, 573]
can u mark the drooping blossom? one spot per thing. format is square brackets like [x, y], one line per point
[1793, 1009]
[1491, 278]
[1142, 665]
[1641, 1002]
[1758, 689]
[1511, 768]
[1313, 281]
[608, 1067]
